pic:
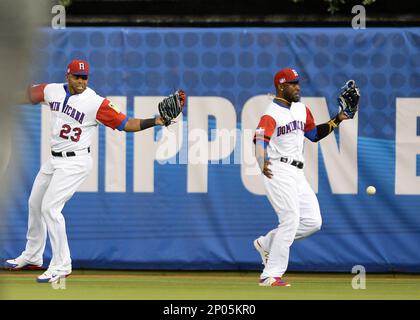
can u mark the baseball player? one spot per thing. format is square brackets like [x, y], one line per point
[76, 111]
[279, 141]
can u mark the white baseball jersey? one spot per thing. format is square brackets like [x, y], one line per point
[283, 128]
[73, 121]
[75, 117]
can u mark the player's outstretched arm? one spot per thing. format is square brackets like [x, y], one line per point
[169, 108]
[134, 125]
[324, 129]
[348, 102]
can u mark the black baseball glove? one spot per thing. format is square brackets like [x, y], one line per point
[349, 99]
[171, 107]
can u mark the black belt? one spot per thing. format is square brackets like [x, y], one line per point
[298, 164]
[66, 154]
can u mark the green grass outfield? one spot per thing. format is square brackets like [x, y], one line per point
[216, 285]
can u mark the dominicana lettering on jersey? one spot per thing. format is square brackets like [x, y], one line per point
[68, 110]
[291, 126]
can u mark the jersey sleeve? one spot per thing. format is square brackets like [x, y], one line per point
[311, 130]
[36, 93]
[310, 122]
[109, 115]
[265, 128]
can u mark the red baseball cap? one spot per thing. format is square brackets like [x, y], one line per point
[286, 75]
[78, 67]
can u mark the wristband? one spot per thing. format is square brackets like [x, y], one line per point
[147, 123]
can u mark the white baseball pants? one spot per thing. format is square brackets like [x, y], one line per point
[298, 212]
[56, 182]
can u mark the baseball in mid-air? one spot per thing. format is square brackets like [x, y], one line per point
[371, 190]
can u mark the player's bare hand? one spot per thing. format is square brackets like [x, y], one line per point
[159, 121]
[267, 171]
[342, 116]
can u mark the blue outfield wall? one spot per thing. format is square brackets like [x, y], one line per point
[171, 228]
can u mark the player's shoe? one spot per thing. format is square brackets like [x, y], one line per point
[20, 264]
[264, 254]
[52, 276]
[273, 282]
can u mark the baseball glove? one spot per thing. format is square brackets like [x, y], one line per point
[349, 99]
[171, 107]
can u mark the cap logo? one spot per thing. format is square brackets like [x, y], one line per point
[294, 71]
[81, 66]
[282, 80]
